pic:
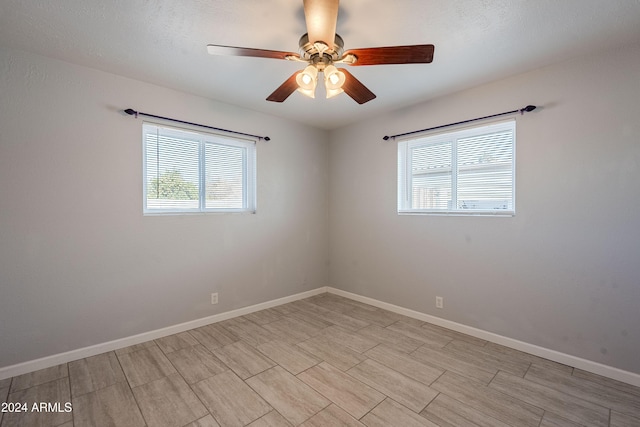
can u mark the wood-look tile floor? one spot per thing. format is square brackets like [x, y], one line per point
[322, 361]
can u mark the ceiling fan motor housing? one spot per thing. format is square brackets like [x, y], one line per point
[319, 54]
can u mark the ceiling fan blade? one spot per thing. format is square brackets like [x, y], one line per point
[287, 88]
[215, 49]
[321, 17]
[355, 89]
[416, 54]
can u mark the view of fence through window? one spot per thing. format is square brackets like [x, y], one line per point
[467, 171]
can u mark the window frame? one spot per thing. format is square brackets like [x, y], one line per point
[405, 175]
[249, 170]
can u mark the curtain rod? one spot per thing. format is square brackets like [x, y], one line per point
[133, 112]
[521, 111]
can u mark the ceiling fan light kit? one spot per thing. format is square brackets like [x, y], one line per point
[321, 48]
[333, 81]
[307, 81]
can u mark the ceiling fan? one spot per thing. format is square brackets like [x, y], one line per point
[321, 48]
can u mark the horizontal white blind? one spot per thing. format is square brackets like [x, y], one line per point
[188, 171]
[468, 171]
[485, 172]
[225, 176]
[431, 175]
[172, 170]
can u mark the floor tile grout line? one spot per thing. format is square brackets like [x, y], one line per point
[6, 398]
[323, 408]
[439, 376]
[308, 418]
[241, 379]
[380, 391]
[138, 404]
[411, 354]
[200, 399]
[370, 410]
[544, 410]
[36, 385]
[311, 367]
[186, 382]
[337, 404]
[428, 403]
[123, 372]
[70, 396]
[604, 387]
[533, 381]
[492, 378]
[476, 409]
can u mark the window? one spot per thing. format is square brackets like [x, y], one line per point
[187, 171]
[469, 171]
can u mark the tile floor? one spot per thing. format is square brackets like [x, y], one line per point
[322, 361]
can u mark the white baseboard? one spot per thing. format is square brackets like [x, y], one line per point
[70, 356]
[556, 356]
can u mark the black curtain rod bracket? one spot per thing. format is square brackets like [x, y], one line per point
[132, 112]
[526, 109]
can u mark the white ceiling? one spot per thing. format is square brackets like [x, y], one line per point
[164, 42]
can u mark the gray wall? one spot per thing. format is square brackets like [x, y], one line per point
[564, 273]
[80, 265]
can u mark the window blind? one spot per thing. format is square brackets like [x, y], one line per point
[187, 171]
[469, 171]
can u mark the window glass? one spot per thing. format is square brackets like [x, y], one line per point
[187, 171]
[468, 171]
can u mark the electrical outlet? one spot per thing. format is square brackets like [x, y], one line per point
[439, 302]
[214, 298]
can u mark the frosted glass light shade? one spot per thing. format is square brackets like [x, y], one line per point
[307, 81]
